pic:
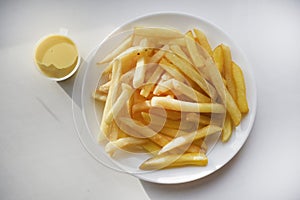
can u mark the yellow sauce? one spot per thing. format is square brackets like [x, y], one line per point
[56, 56]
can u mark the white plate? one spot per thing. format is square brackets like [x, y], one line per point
[86, 118]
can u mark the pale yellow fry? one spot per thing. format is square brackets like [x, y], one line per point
[183, 106]
[128, 77]
[104, 87]
[190, 92]
[190, 137]
[144, 42]
[177, 41]
[139, 129]
[119, 103]
[228, 71]
[172, 70]
[152, 81]
[171, 114]
[139, 74]
[158, 32]
[151, 148]
[99, 96]
[219, 58]
[178, 50]
[198, 118]
[202, 39]
[174, 160]
[116, 73]
[239, 80]
[159, 54]
[113, 146]
[156, 120]
[197, 58]
[117, 51]
[162, 87]
[227, 129]
[141, 106]
[192, 73]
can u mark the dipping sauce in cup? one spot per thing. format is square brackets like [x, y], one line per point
[57, 57]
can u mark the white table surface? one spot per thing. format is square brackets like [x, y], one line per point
[41, 156]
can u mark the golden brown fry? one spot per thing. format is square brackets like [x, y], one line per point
[219, 58]
[228, 71]
[198, 118]
[151, 148]
[239, 80]
[174, 160]
[227, 129]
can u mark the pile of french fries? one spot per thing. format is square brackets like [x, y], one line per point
[165, 92]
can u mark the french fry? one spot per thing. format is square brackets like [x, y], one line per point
[183, 106]
[121, 48]
[228, 71]
[156, 120]
[174, 160]
[105, 87]
[219, 58]
[202, 39]
[227, 129]
[112, 146]
[139, 74]
[192, 73]
[158, 32]
[119, 104]
[151, 147]
[190, 92]
[152, 81]
[116, 73]
[170, 114]
[198, 118]
[178, 51]
[141, 106]
[159, 54]
[172, 70]
[162, 87]
[190, 137]
[239, 80]
[99, 96]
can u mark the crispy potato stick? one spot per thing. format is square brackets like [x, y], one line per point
[156, 120]
[191, 45]
[227, 129]
[142, 106]
[162, 87]
[158, 32]
[121, 48]
[239, 80]
[104, 87]
[214, 75]
[190, 137]
[139, 129]
[192, 73]
[219, 58]
[174, 160]
[151, 148]
[139, 74]
[190, 92]
[152, 81]
[116, 73]
[171, 114]
[228, 71]
[144, 42]
[99, 96]
[127, 77]
[159, 54]
[183, 106]
[178, 51]
[112, 146]
[172, 70]
[198, 118]
[119, 104]
[201, 38]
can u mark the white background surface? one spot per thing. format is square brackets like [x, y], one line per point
[40, 154]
